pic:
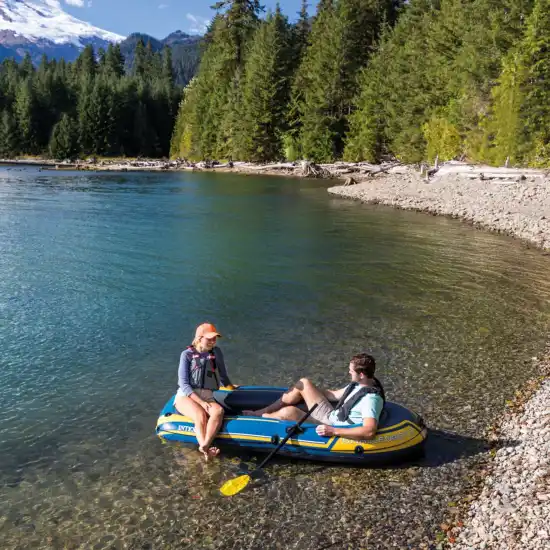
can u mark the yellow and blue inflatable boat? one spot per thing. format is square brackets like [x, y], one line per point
[401, 433]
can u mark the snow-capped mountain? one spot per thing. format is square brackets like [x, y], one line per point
[41, 26]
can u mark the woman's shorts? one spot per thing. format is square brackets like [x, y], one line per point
[205, 395]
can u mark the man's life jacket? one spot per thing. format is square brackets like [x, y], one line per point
[204, 373]
[344, 405]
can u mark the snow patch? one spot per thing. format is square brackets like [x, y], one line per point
[39, 20]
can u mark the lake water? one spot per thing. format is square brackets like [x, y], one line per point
[103, 277]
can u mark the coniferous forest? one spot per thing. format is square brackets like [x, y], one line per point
[368, 79]
[88, 107]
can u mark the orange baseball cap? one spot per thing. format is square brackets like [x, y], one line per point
[206, 329]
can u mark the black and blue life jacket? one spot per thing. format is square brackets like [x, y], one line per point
[203, 372]
[344, 405]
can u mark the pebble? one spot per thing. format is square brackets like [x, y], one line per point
[520, 210]
[512, 510]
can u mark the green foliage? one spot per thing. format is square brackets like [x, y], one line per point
[377, 78]
[266, 90]
[443, 139]
[504, 136]
[95, 103]
[342, 40]
[205, 121]
[9, 145]
[64, 141]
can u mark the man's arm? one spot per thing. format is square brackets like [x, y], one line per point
[366, 431]
[334, 395]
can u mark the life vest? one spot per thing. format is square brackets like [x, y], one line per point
[204, 373]
[344, 405]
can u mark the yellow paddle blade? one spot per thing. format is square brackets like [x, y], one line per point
[234, 486]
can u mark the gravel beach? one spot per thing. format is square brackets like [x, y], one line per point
[513, 507]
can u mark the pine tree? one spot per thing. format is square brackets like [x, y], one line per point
[139, 67]
[342, 39]
[185, 132]
[64, 140]
[233, 141]
[300, 33]
[535, 110]
[167, 73]
[9, 145]
[25, 111]
[114, 62]
[266, 89]
[224, 55]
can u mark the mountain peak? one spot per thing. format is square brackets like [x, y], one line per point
[43, 21]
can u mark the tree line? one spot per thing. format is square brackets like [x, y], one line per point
[90, 106]
[368, 79]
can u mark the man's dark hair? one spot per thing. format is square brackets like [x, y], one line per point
[365, 363]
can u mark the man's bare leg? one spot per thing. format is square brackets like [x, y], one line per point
[288, 412]
[303, 390]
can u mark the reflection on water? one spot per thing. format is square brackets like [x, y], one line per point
[104, 276]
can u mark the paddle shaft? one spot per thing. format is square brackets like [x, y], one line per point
[291, 432]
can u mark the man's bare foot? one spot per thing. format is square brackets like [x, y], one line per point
[251, 413]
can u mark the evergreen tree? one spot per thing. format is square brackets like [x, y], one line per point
[301, 33]
[266, 89]
[535, 110]
[64, 140]
[233, 141]
[86, 64]
[184, 137]
[223, 57]
[342, 40]
[139, 68]
[114, 62]
[167, 73]
[9, 146]
[25, 111]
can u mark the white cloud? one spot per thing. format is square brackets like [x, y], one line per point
[162, 6]
[198, 24]
[77, 3]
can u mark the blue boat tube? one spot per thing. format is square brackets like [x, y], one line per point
[400, 436]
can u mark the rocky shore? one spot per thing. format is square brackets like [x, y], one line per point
[511, 201]
[513, 507]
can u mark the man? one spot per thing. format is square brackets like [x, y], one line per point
[360, 402]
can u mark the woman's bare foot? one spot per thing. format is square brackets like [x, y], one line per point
[209, 452]
[213, 451]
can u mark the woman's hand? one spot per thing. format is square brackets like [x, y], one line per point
[325, 431]
[206, 406]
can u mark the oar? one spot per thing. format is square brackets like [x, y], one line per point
[234, 486]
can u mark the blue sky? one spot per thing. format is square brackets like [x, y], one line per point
[157, 18]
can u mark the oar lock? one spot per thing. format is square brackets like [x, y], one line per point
[275, 439]
[297, 430]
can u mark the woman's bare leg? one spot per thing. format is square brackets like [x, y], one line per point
[187, 407]
[213, 426]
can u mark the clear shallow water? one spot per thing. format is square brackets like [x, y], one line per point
[102, 280]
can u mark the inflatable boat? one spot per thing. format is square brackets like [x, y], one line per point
[401, 433]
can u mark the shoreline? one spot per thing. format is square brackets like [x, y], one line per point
[511, 500]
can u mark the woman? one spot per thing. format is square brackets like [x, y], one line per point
[202, 370]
